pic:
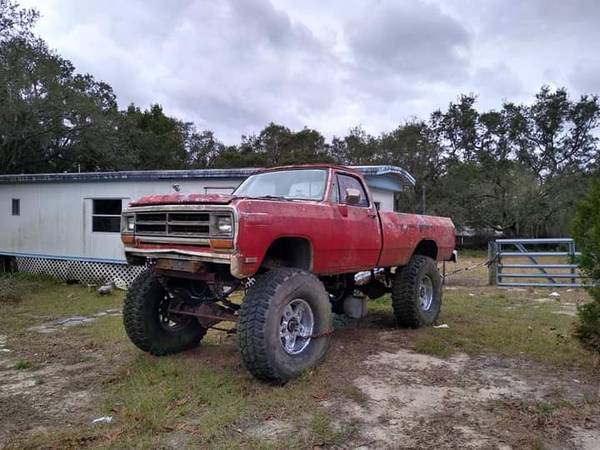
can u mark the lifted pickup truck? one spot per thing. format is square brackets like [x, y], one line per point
[300, 241]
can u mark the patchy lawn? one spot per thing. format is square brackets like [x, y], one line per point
[504, 374]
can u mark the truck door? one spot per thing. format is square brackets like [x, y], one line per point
[359, 232]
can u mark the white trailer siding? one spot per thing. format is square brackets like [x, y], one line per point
[383, 198]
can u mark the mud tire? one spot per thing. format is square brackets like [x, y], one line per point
[406, 300]
[259, 341]
[142, 321]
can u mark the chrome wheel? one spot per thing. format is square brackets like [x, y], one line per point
[426, 293]
[296, 326]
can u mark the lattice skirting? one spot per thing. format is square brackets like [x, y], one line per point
[86, 272]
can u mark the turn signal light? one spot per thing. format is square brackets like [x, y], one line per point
[221, 243]
[128, 239]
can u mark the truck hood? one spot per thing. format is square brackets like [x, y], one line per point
[183, 199]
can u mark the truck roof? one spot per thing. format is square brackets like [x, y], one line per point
[311, 166]
[364, 171]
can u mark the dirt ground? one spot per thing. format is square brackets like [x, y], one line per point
[380, 387]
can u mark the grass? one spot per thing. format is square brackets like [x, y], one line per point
[42, 299]
[496, 323]
[156, 397]
[205, 398]
[14, 286]
[23, 364]
[501, 322]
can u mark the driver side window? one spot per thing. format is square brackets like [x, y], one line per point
[348, 182]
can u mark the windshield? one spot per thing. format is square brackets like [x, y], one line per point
[299, 184]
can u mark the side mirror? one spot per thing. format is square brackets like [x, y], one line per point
[352, 196]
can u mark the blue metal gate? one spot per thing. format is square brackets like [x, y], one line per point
[535, 262]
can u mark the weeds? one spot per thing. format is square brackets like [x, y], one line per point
[23, 364]
[14, 286]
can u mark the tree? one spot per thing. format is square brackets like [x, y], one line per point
[586, 232]
[15, 22]
[51, 119]
[556, 133]
[276, 145]
[358, 148]
[152, 139]
[414, 147]
[203, 148]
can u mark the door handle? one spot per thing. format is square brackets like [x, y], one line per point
[372, 215]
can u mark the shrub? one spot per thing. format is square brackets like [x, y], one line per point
[13, 286]
[9, 292]
[586, 232]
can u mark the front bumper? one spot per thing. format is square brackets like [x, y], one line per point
[169, 253]
[239, 266]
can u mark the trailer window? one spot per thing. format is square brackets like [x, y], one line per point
[16, 207]
[106, 215]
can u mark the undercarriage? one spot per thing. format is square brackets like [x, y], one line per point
[282, 317]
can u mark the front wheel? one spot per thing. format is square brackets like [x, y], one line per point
[417, 293]
[150, 325]
[284, 325]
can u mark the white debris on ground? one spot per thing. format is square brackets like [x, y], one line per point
[103, 419]
[443, 325]
[107, 289]
[60, 324]
[554, 295]
[3, 348]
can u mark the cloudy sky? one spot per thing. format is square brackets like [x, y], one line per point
[234, 65]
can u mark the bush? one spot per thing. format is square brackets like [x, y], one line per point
[14, 286]
[586, 232]
[9, 293]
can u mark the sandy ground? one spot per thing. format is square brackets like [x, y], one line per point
[408, 400]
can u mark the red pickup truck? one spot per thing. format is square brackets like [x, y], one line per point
[301, 242]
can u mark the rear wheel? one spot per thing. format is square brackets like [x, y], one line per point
[417, 293]
[150, 325]
[284, 324]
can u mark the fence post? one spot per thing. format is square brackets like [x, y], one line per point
[493, 267]
[572, 261]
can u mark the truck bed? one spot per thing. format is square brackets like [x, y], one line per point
[403, 232]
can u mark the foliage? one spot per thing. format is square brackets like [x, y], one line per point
[517, 170]
[14, 286]
[586, 232]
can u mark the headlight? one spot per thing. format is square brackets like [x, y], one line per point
[127, 224]
[224, 225]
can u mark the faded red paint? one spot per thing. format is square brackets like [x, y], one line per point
[183, 199]
[343, 238]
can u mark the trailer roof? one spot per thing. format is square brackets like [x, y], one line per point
[396, 175]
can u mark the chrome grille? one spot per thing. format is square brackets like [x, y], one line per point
[184, 224]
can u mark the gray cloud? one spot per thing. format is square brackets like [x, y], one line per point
[415, 40]
[585, 78]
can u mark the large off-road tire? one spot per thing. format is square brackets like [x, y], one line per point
[417, 293]
[148, 324]
[284, 325]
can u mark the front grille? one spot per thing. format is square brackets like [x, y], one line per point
[173, 224]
